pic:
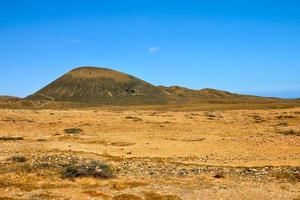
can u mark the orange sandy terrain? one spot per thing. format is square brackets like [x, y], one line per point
[233, 154]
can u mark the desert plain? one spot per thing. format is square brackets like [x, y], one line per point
[151, 154]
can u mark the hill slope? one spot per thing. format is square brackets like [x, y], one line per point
[9, 98]
[203, 93]
[100, 86]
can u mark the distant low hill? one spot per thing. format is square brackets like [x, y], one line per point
[203, 93]
[186, 95]
[8, 98]
[7, 101]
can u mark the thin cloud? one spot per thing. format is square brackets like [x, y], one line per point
[153, 49]
[72, 41]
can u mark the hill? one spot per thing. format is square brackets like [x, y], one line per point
[87, 87]
[9, 98]
[100, 86]
[203, 93]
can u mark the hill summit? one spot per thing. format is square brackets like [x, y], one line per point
[100, 86]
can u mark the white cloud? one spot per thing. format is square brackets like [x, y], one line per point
[73, 40]
[153, 49]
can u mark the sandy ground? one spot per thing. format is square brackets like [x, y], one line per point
[245, 154]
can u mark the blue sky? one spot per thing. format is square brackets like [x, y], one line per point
[243, 46]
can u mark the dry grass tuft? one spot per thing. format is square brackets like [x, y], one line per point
[210, 116]
[219, 175]
[285, 117]
[11, 138]
[134, 118]
[156, 196]
[127, 197]
[290, 132]
[285, 124]
[73, 130]
[258, 119]
[291, 177]
[18, 158]
[95, 169]
[93, 193]
[42, 197]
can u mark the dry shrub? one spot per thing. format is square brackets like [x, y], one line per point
[285, 117]
[134, 118]
[43, 197]
[95, 169]
[126, 197]
[258, 119]
[11, 138]
[156, 196]
[18, 158]
[41, 140]
[219, 175]
[283, 124]
[291, 177]
[93, 193]
[73, 130]
[290, 132]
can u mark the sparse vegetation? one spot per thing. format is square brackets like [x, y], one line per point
[193, 140]
[156, 196]
[73, 130]
[95, 169]
[11, 138]
[291, 132]
[93, 193]
[187, 155]
[133, 118]
[18, 158]
[291, 177]
[285, 117]
[283, 123]
[219, 175]
[41, 140]
[210, 115]
[126, 197]
[43, 197]
[258, 119]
